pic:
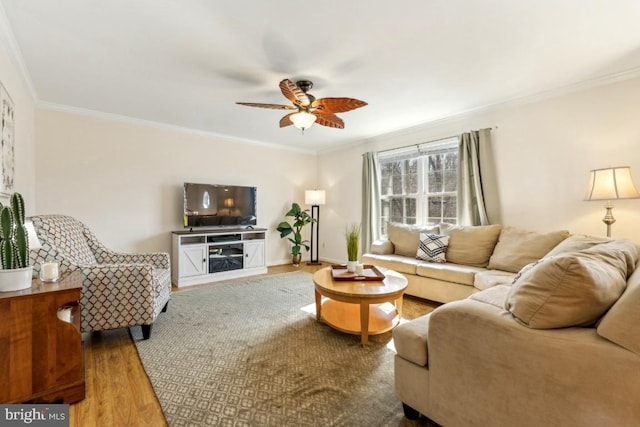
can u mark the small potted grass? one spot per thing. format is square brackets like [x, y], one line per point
[352, 235]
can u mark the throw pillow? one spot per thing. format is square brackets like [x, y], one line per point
[577, 242]
[470, 245]
[432, 247]
[381, 247]
[527, 268]
[572, 289]
[517, 248]
[405, 238]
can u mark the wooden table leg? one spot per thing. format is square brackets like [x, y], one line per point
[399, 307]
[318, 306]
[364, 323]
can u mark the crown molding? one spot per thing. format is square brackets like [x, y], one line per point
[162, 126]
[514, 102]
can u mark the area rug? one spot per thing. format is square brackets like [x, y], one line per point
[247, 353]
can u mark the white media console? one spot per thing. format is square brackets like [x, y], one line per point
[203, 256]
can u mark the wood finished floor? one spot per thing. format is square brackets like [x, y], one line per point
[118, 391]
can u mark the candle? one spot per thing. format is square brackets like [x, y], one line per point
[49, 272]
[359, 270]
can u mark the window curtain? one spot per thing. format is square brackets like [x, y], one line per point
[370, 200]
[473, 165]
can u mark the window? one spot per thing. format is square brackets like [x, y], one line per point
[419, 185]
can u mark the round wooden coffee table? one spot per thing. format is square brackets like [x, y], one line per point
[358, 306]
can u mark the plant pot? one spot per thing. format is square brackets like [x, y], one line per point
[16, 279]
[351, 266]
[296, 259]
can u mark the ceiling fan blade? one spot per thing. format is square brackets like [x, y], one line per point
[336, 105]
[293, 93]
[330, 120]
[286, 120]
[271, 106]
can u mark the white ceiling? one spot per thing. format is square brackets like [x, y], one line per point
[186, 62]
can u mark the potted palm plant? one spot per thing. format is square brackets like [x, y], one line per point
[301, 218]
[352, 234]
[15, 273]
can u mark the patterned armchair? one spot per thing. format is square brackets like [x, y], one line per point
[119, 290]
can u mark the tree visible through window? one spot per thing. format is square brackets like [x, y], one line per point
[420, 186]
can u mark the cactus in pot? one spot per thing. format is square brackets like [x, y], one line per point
[14, 241]
[15, 271]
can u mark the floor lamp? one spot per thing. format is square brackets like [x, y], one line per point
[315, 198]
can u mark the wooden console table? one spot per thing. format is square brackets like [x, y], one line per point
[41, 355]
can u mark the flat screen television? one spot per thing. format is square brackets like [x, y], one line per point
[215, 205]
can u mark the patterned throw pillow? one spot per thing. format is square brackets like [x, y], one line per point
[432, 247]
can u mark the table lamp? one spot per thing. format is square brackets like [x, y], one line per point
[609, 184]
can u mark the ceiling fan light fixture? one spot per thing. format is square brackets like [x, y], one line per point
[305, 107]
[303, 120]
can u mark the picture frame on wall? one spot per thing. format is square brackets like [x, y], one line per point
[7, 142]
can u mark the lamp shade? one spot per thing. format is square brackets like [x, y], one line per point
[610, 184]
[34, 242]
[314, 197]
[303, 120]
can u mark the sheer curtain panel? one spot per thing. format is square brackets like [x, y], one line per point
[370, 200]
[474, 164]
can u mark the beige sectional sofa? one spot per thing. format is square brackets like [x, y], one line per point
[560, 346]
[476, 257]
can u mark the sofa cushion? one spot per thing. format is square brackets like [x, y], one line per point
[470, 245]
[494, 296]
[572, 289]
[490, 278]
[432, 247]
[399, 263]
[382, 247]
[621, 324]
[410, 340]
[576, 242]
[517, 248]
[405, 238]
[456, 273]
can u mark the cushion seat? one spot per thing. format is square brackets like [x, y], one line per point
[490, 278]
[399, 263]
[463, 274]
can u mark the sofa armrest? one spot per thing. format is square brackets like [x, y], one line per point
[50, 254]
[115, 296]
[156, 259]
[382, 247]
[479, 355]
[118, 279]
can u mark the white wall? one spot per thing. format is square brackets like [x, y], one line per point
[124, 179]
[12, 79]
[543, 152]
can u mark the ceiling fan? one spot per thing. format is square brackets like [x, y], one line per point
[307, 109]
